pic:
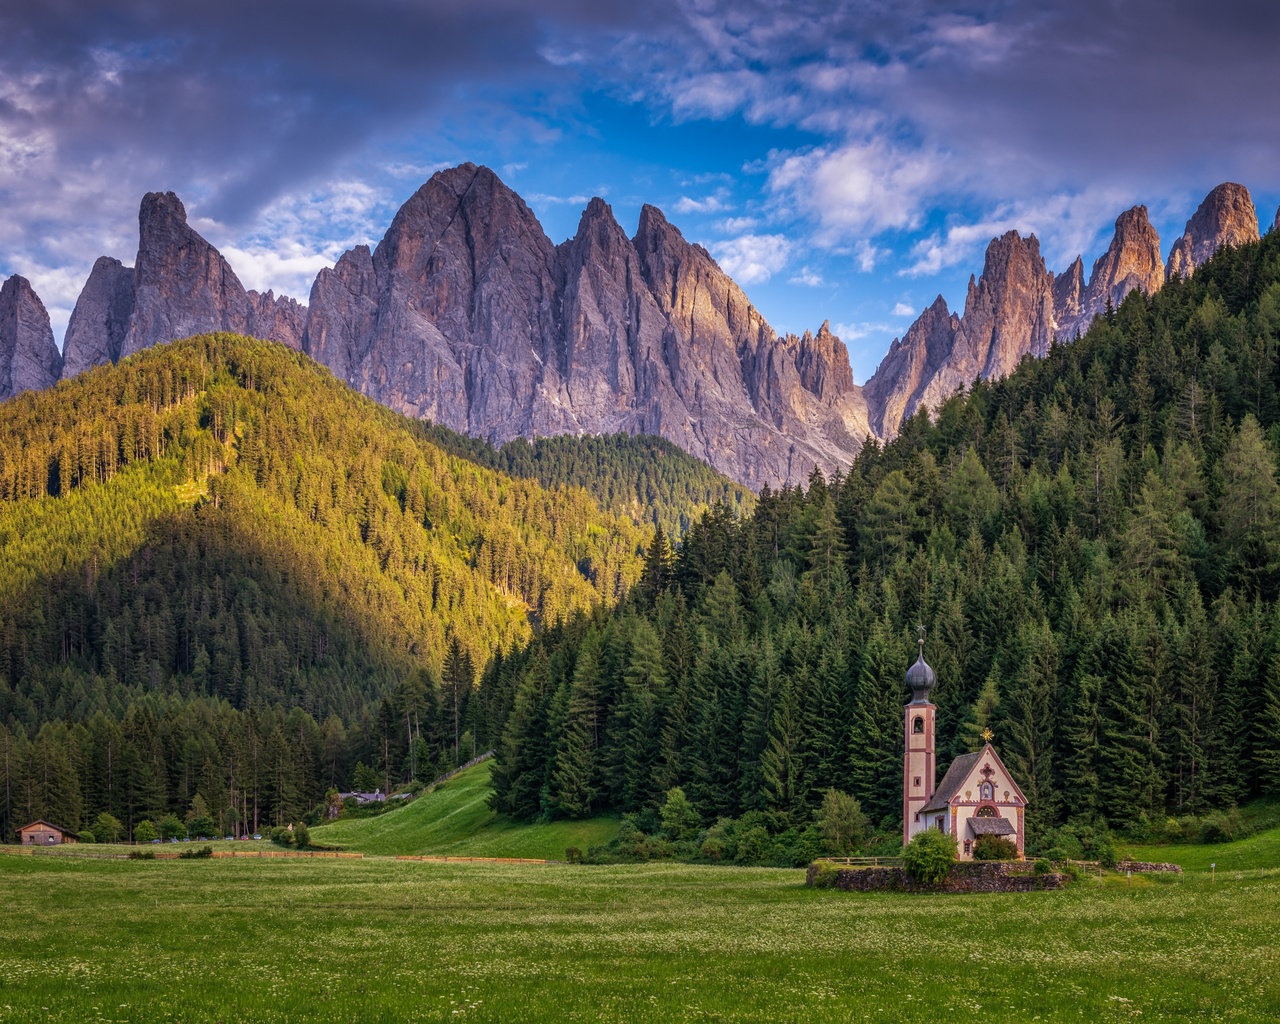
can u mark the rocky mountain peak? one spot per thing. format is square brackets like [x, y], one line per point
[99, 323]
[29, 359]
[1008, 313]
[599, 231]
[342, 314]
[182, 285]
[1226, 217]
[1133, 258]
[1069, 300]
[822, 360]
[179, 285]
[894, 391]
[468, 315]
[1132, 261]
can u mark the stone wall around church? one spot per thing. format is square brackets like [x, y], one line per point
[972, 876]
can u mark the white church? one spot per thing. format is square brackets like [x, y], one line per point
[977, 797]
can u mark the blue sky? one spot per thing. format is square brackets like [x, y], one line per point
[844, 162]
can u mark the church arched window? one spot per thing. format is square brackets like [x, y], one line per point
[917, 724]
[985, 812]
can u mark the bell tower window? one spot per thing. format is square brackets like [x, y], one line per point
[917, 725]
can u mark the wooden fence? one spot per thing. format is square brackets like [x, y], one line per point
[866, 862]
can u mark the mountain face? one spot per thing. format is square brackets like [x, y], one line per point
[1016, 308]
[1132, 261]
[1008, 313]
[180, 285]
[100, 321]
[466, 314]
[29, 359]
[1226, 217]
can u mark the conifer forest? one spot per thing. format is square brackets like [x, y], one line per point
[224, 577]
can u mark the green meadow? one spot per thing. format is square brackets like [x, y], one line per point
[84, 938]
[385, 940]
[455, 820]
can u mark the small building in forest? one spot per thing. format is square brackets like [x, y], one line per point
[977, 797]
[45, 833]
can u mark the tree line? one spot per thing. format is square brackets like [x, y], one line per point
[219, 522]
[1093, 545]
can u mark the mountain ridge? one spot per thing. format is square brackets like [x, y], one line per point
[466, 314]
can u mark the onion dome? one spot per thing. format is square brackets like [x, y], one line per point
[921, 679]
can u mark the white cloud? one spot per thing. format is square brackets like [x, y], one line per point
[1065, 224]
[417, 172]
[957, 245]
[860, 330]
[548, 200]
[299, 234]
[903, 309]
[808, 278]
[736, 225]
[867, 255]
[716, 203]
[752, 259]
[860, 188]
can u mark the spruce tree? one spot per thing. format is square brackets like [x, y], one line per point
[876, 731]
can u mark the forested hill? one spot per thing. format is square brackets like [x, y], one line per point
[1093, 545]
[646, 478]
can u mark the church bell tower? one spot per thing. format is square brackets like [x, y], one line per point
[918, 762]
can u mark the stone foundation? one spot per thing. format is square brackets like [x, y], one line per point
[1148, 867]
[968, 876]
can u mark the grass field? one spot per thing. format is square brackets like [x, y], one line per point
[454, 820]
[1258, 851]
[381, 940]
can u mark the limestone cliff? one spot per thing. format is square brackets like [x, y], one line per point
[180, 285]
[29, 359]
[1070, 301]
[466, 314]
[1008, 314]
[96, 332]
[1132, 261]
[893, 391]
[1226, 217]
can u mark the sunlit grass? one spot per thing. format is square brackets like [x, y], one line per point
[455, 820]
[1261, 851]
[381, 940]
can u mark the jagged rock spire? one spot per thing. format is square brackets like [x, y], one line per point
[29, 359]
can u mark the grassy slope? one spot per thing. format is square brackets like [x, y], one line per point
[381, 940]
[1258, 851]
[456, 821]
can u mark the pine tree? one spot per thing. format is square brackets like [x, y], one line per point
[1269, 731]
[781, 763]
[982, 715]
[574, 782]
[1029, 721]
[876, 733]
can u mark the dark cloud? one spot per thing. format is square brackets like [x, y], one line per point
[248, 96]
[1104, 87]
[934, 125]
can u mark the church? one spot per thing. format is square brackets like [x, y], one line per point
[977, 797]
